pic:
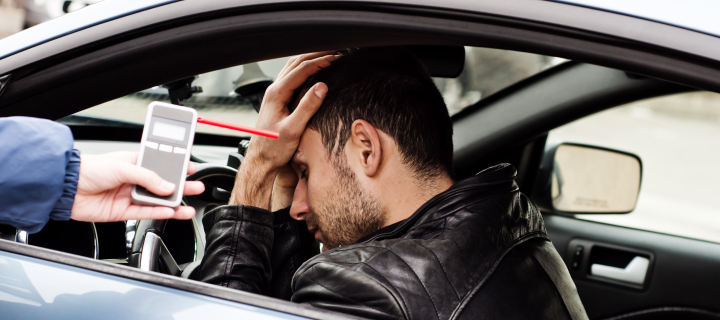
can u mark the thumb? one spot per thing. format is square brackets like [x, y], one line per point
[307, 107]
[131, 174]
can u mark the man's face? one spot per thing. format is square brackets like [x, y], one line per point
[330, 197]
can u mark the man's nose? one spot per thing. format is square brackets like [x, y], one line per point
[299, 208]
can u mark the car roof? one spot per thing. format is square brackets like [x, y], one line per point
[113, 17]
[697, 15]
[74, 21]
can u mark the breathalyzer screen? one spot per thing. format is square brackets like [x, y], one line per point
[168, 131]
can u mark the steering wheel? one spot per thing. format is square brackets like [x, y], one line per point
[148, 251]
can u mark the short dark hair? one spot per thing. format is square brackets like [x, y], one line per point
[389, 88]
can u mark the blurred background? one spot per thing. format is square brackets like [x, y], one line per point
[12, 17]
[16, 15]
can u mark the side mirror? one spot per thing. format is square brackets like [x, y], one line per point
[577, 179]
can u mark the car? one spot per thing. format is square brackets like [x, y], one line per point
[573, 93]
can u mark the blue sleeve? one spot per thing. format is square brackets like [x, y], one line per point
[38, 172]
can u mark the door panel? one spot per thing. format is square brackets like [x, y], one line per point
[39, 283]
[683, 281]
[32, 288]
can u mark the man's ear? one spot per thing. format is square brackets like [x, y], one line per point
[366, 146]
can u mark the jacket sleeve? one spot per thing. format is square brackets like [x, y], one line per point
[292, 246]
[239, 243]
[336, 281]
[39, 175]
[254, 250]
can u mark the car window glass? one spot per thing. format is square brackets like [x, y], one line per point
[488, 71]
[677, 138]
[217, 100]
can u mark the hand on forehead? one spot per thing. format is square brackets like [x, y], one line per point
[280, 113]
[287, 112]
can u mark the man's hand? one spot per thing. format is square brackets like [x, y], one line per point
[266, 156]
[103, 192]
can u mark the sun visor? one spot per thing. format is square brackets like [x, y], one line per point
[441, 61]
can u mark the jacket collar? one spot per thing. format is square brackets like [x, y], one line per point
[491, 181]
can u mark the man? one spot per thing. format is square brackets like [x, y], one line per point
[44, 178]
[374, 183]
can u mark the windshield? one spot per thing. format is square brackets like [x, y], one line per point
[217, 99]
[486, 71]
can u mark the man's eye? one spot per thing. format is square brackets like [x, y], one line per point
[303, 174]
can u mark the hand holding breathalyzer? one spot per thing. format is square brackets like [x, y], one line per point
[165, 149]
[103, 191]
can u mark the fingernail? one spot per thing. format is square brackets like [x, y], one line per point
[320, 90]
[167, 186]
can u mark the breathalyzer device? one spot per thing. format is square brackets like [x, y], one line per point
[165, 149]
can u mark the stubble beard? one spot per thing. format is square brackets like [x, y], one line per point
[348, 213]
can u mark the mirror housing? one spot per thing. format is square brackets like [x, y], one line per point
[581, 179]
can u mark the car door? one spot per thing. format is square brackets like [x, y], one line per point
[38, 283]
[675, 224]
[674, 227]
[84, 68]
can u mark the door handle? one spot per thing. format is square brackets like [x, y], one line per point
[634, 272]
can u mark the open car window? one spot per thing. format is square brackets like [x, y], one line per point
[485, 72]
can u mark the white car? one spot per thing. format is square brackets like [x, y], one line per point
[642, 78]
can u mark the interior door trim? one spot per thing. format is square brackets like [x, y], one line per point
[668, 313]
[670, 284]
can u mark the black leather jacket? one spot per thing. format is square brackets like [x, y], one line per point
[476, 251]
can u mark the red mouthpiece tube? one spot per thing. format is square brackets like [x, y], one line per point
[232, 126]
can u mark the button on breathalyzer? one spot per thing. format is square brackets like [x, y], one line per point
[165, 149]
